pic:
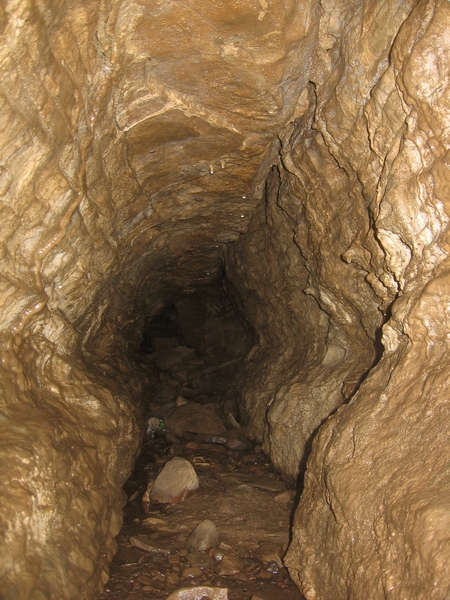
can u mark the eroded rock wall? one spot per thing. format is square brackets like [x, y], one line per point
[131, 151]
[362, 184]
[373, 520]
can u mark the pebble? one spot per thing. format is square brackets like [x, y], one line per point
[236, 440]
[285, 497]
[218, 554]
[153, 522]
[229, 565]
[192, 572]
[173, 579]
[273, 567]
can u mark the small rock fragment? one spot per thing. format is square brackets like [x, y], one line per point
[229, 565]
[173, 579]
[176, 481]
[236, 440]
[204, 537]
[180, 401]
[284, 497]
[232, 421]
[200, 559]
[270, 552]
[146, 544]
[154, 522]
[192, 572]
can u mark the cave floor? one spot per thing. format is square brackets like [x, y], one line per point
[238, 491]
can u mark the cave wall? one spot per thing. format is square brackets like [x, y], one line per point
[377, 487]
[131, 152]
[360, 207]
[312, 139]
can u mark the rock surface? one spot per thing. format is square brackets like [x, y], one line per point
[176, 481]
[204, 537]
[195, 418]
[199, 593]
[312, 139]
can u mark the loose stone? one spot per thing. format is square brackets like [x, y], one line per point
[200, 559]
[200, 593]
[192, 572]
[229, 565]
[176, 481]
[204, 537]
[146, 544]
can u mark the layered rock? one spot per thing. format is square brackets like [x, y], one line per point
[373, 518]
[132, 151]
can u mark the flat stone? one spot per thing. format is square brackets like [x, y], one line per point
[204, 537]
[192, 572]
[176, 481]
[200, 559]
[236, 440]
[229, 565]
[154, 522]
[210, 438]
[285, 497]
[147, 545]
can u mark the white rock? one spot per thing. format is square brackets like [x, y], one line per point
[198, 593]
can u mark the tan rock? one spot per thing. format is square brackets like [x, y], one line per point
[199, 592]
[131, 153]
[195, 418]
[176, 481]
[204, 537]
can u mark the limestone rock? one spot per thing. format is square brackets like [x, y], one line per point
[176, 481]
[145, 543]
[311, 167]
[229, 565]
[199, 593]
[192, 417]
[204, 537]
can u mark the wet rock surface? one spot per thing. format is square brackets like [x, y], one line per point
[226, 541]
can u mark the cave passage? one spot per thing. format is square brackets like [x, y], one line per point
[233, 214]
[196, 347]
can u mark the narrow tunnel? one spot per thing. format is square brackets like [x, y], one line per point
[242, 207]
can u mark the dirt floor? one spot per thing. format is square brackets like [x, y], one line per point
[238, 492]
[194, 413]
